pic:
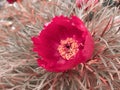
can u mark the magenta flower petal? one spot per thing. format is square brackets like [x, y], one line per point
[63, 44]
[11, 1]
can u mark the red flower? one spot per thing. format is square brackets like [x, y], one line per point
[81, 2]
[11, 1]
[63, 44]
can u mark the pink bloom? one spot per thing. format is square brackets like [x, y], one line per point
[11, 1]
[63, 44]
[81, 2]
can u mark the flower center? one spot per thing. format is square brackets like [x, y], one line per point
[68, 48]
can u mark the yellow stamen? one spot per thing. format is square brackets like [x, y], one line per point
[68, 48]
